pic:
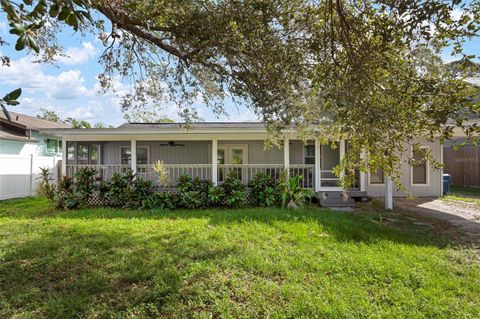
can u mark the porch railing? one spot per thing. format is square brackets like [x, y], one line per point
[246, 172]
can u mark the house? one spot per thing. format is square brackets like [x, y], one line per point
[23, 150]
[22, 136]
[210, 150]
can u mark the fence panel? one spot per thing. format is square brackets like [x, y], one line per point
[19, 174]
[463, 164]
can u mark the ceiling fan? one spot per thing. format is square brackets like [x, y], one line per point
[171, 143]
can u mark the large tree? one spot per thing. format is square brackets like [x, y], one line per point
[334, 68]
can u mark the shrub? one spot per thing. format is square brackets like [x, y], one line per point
[115, 190]
[216, 195]
[184, 183]
[234, 190]
[84, 183]
[44, 187]
[263, 189]
[292, 194]
[162, 172]
[193, 192]
[138, 191]
[65, 197]
[160, 200]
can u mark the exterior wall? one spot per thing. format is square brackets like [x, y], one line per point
[27, 148]
[432, 189]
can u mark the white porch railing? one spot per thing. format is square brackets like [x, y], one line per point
[246, 172]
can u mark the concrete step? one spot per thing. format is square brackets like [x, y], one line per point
[335, 199]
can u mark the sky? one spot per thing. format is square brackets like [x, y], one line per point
[71, 89]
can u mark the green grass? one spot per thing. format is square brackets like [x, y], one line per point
[466, 191]
[245, 263]
[464, 194]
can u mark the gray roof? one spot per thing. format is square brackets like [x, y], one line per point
[31, 122]
[193, 125]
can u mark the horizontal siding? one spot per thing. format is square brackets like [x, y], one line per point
[434, 187]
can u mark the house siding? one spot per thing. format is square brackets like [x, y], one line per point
[434, 187]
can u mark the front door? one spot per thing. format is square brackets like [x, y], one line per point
[231, 157]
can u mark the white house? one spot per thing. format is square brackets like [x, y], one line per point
[209, 150]
[23, 150]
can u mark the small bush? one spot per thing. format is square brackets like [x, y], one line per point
[234, 190]
[65, 197]
[115, 190]
[292, 194]
[161, 200]
[262, 188]
[216, 195]
[84, 184]
[44, 187]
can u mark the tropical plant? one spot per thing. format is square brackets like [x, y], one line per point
[234, 190]
[162, 173]
[85, 183]
[184, 183]
[292, 194]
[66, 197]
[44, 187]
[115, 190]
[216, 195]
[161, 200]
[138, 192]
[262, 188]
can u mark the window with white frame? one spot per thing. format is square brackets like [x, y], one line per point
[310, 154]
[377, 178]
[420, 167]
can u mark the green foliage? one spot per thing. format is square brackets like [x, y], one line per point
[115, 190]
[263, 188]
[193, 191]
[85, 183]
[184, 183]
[66, 197]
[161, 200]
[292, 194]
[216, 195]
[44, 187]
[234, 190]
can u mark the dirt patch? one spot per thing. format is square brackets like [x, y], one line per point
[462, 216]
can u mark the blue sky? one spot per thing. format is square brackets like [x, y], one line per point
[70, 87]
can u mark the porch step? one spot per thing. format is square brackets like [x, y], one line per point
[337, 199]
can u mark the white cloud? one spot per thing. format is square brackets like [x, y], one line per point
[29, 75]
[3, 27]
[78, 55]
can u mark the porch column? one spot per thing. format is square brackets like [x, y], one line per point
[214, 162]
[286, 153]
[362, 174]
[318, 174]
[64, 156]
[388, 193]
[342, 154]
[133, 157]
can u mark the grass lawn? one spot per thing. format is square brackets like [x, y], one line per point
[464, 194]
[245, 263]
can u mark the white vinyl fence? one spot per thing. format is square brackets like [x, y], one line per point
[19, 174]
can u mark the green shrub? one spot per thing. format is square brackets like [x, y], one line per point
[138, 191]
[161, 200]
[44, 187]
[115, 190]
[66, 197]
[84, 183]
[263, 190]
[234, 190]
[193, 192]
[216, 195]
[184, 183]
[292, 194]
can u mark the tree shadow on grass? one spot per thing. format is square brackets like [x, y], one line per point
[76, 273]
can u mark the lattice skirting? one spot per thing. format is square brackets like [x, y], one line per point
[96, 200]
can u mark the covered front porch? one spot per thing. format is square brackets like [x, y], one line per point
[208, 159]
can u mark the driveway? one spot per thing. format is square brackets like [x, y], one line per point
[462, 217]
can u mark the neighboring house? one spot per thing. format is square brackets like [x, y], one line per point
[23, 149]
[210, 150]
[463, 162]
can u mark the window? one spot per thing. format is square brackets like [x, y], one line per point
[310, 154]
[70, 153]
[82, 154]
[52, 146]
[420, 168]
[126, 155]
[377, 178]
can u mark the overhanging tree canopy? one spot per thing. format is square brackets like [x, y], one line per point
[352, 69]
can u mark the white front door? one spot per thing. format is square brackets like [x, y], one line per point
[231, 157]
